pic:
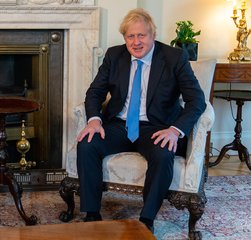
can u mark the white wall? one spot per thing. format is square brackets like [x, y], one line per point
[112, 13]
[217, 40]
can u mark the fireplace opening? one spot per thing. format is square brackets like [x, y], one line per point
[15, 74]
[15, 77]
[31, 65]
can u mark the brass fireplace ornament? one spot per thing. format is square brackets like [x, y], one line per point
[241, 52]
[23, 146]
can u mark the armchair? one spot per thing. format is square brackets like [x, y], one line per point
[187, 187]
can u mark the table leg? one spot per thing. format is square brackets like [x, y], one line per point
[7, 178]
[16, 192]
[236, 145]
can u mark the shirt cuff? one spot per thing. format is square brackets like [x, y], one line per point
[93, 118]
[181, 133]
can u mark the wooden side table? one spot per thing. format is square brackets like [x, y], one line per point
[240, 96]
[9, 106]
[232, 72]
[229, 72]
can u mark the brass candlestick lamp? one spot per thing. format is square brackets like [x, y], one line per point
[23, 146]
[241, 52]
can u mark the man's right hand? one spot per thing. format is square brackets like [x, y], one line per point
[94, 126]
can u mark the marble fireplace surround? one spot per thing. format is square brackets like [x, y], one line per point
[80, 20]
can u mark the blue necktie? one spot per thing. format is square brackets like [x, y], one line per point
[132, 120]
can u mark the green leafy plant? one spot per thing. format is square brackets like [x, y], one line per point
[185, 33]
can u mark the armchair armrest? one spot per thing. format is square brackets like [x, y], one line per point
[196, 148]
[79, 112]
[71, 155]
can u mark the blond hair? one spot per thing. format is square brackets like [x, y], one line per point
[138, 14]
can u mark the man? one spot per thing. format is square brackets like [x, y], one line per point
[157, 129]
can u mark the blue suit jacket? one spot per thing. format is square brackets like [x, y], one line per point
[170, 76]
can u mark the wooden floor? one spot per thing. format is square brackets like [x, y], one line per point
[229, 166]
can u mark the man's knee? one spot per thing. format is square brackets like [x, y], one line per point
[85, 146]
[89, 152]
[162, 157]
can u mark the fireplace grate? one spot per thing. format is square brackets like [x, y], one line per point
[40, 179]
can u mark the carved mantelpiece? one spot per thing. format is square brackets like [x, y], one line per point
[80, 22]
[46, 2]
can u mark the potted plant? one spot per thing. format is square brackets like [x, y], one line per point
[186, 39]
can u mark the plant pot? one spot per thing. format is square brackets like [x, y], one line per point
[191, 48]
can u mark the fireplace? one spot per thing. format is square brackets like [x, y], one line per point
[71, 30]
[32, 64]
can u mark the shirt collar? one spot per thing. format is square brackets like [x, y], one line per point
[147, 59]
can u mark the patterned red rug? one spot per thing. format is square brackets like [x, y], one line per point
[227, 215]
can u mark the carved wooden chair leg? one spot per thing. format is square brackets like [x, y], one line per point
[196, 209]
[68, 188]
[195, 203]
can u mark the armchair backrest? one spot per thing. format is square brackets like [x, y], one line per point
[204, 71]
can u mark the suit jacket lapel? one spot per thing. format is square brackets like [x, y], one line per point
[157, 67]
[124, 68]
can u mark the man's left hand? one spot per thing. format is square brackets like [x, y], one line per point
[168, 136]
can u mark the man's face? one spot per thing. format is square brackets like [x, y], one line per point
[139, 40]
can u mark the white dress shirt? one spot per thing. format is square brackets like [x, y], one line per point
[147, 60]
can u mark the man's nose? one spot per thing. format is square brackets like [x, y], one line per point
[136, 40]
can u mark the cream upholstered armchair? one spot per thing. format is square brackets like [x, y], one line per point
[126, 171]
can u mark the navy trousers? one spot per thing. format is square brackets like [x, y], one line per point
[159, 172]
